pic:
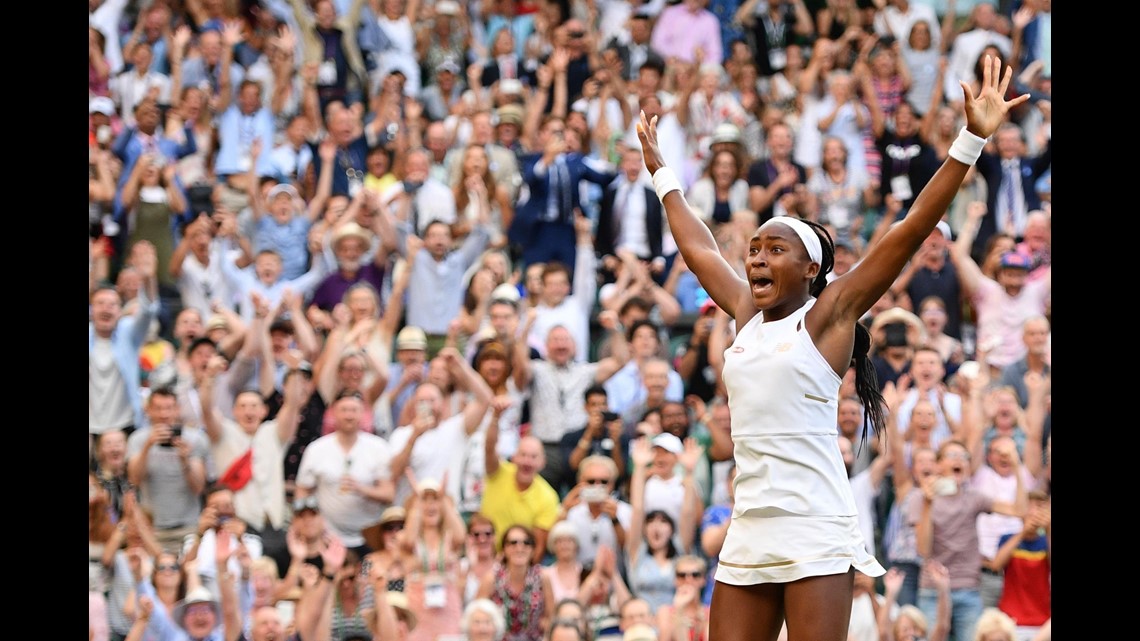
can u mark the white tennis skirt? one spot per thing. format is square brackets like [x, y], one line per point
[774, 546]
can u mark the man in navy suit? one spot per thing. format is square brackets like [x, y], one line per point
[631, 216]
[1010, 175]
[544, 220]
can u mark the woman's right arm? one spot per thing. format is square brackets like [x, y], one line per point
[694, 240]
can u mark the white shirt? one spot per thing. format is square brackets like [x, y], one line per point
[437, 453]
[129, 88]
[629, 214]
[667, 496]
[964, 55]
[594, 533]
[941, 431]
[322, 466]
[898, 23]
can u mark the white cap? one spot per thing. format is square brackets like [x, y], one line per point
[668, 442]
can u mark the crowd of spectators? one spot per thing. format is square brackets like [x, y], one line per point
[389, 337]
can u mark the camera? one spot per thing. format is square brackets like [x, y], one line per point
[175, 432]
[594, 493]
[608, 416]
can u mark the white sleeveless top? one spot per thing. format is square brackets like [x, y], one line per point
[783, 397]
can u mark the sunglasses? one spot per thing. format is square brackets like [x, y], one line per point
[392, 527]
[511, 542]
[596, 481]
[483, 534]
[172, 567]
[690, 575]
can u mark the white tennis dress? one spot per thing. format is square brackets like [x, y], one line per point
[794, 515]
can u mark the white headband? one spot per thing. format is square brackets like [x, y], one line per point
[807, 235]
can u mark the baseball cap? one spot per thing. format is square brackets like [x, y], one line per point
[283, 188]
[668, 442]
[1015, 260]
[506, 291]
[448, 64]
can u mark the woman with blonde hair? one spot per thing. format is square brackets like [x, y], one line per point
[995, 625]
[432, 539]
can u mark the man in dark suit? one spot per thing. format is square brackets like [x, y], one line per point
[543, 225]
[504, 62]
[1010, 176]
[632, 47]
[631, 216]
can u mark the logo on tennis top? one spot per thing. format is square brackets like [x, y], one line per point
[783, 347]
[737, 350]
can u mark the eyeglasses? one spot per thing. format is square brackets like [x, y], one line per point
[198, 608]
[956, 455]
[171, 567]
[513, 542]
[596, 481]
[690, 575]
[483, 534]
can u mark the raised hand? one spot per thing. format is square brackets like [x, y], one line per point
[988, 109]
[642, 452]
[647, 134]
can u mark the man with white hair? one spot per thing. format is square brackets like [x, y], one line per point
[558, 384]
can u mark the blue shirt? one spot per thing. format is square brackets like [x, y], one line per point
[290, 240]
[625, 389]
[126, 340]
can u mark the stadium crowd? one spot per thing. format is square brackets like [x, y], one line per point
[390, 339]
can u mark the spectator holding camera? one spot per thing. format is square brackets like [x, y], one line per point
[598, 516]
[945, 519]
[168, 465]
[602, 435]
[218, 521]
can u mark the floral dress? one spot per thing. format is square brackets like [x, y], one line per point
[523, 611]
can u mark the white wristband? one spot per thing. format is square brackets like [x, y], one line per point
[967, 147]
[665, 181]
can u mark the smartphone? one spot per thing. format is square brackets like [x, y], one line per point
[423, 409]
[608, 416]
[175, 431]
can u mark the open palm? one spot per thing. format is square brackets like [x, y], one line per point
[987, 110]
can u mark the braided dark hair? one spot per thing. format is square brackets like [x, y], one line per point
[866, 381]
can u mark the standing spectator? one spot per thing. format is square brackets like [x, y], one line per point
[1002, 303]
[545, 223]
[420, 198]
[114, 343]
[967, 47]
[838, 196]
[601, 436]
[1035, 335]
[599, 517]
[945, 518]
[626, 389]
[514, 493]
[168, 465]
[1026, 559]
[930, 273]
[1011, 175]
[772, 28]
[777, 185]
[348, 472]
[688, 32]
[630, 218]
[519, 587]
[898, 17]
[721, 191]
[330, 41]
[560, 306]
[556, 384]
[926, 373]
[435, 286]
[131, 86]
[433, 536]
[432, 446]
